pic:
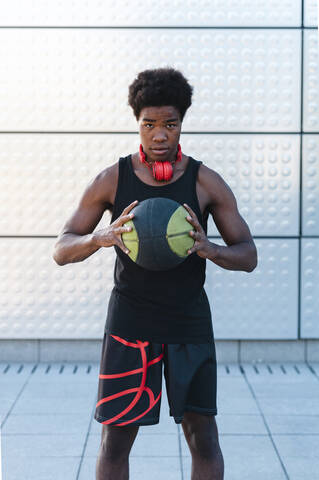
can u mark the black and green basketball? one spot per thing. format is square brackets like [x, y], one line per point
[159, 239]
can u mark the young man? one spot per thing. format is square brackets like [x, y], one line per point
[158, 318]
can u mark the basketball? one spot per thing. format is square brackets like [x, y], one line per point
[159, 239]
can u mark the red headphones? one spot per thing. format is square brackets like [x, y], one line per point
[162, 171]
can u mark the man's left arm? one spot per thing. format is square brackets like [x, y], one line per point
[240, 252]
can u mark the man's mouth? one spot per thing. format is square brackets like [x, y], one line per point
[159, 150]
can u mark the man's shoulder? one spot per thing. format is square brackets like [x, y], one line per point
[212, 182]
[105, 182]
[208, 177]
[110, 171]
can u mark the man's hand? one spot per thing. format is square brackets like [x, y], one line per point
[111, 235]
[202, 246]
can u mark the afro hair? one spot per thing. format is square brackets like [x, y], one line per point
[159, 87]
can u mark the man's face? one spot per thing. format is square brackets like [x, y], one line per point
[160, 129]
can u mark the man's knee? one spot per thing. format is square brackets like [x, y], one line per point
[201, 434]
[117, 441]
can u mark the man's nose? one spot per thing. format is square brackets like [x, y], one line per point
[159, 135]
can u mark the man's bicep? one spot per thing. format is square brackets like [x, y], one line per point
[230, 224]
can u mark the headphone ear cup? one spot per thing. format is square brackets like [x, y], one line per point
[159, 170]
[168, 170]
[154, 170]
[162, 170]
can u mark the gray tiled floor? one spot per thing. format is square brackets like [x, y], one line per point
[268, 422]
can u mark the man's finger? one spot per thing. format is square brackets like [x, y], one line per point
[129, 207]
[194, 235]
[122, 246]
[192, 250]
[124, 218]
[188, 208]
[195, 224]
[123, 229]
[193, 218]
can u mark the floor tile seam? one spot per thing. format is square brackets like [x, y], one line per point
[19, 393]
[85, 441]
[312, 370]
[265, 423]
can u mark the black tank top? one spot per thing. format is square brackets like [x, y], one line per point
[169, 306]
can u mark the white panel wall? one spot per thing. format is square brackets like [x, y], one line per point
[311, 13]
[310, 185]
[246, 79]
[311, 82]
[40, 299]
[153, 14]
[263, 173]
[254, 119]
[310, 288]
[309, 280]
[49, 173]
[260, 304]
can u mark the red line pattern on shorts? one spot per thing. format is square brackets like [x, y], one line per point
[139, 390]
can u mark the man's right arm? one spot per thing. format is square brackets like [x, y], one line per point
[76, 241]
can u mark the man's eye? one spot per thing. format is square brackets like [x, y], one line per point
[146, 124]
[171, 124]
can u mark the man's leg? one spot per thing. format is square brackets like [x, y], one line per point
[201, 435]
[116, 443]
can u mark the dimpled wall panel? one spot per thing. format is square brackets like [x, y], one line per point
[39, 299]
[260, 304]
[311, 82]
[310, 185]
[69, 84]
[311, 13]
[42, 177]
[263, 173]
[246, 80]
[150, 13]
[310, 288]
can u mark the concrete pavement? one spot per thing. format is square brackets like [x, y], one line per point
[268, 422]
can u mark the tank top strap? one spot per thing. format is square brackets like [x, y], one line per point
[123, 185]
[190, 174]
[195, 164]
[123, 170]
[191, 180]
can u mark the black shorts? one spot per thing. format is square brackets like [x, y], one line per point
[130, 380]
